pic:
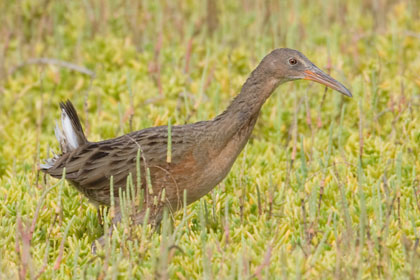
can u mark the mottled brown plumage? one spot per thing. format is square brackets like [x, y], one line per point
[202, 153]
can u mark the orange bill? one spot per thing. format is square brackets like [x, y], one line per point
[318, 76]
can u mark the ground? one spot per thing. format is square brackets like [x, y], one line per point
[327, 187]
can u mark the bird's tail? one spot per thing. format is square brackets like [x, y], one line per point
[70, 135]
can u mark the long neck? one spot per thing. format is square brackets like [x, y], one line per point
[238, 120]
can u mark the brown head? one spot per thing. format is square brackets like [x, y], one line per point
[288, 65]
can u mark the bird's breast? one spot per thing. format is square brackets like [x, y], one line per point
[206, 170]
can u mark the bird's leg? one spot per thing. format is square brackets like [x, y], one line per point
[103, 239]
[154, 219]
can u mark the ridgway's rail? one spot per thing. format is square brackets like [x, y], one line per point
[202, 153]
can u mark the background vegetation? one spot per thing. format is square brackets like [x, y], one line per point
[328, 186]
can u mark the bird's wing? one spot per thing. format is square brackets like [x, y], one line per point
[91, 166]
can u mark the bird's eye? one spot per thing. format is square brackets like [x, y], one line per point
[292, 61]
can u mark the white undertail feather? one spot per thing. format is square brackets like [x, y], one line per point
[66, 137]
[49, 162]
[69, 133]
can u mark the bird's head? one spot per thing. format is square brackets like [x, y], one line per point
[288, 65]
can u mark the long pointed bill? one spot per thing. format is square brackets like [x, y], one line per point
[318, 76]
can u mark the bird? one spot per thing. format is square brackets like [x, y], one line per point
[202, 153]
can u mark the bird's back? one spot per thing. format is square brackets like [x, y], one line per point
[90, 166]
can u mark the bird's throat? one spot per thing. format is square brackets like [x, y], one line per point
[238, 120]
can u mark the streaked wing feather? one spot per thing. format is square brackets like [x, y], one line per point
[92, 165]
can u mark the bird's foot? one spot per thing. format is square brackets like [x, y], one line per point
[98, 244]
[101, 242]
